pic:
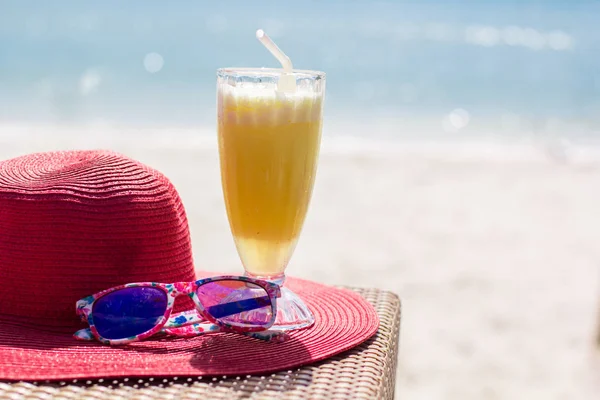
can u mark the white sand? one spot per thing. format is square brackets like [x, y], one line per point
[493, 249]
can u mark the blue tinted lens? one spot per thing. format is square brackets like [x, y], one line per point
[128, 312]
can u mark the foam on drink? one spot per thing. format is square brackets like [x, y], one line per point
[245, 104]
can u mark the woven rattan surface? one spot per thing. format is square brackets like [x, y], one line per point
[365, 372]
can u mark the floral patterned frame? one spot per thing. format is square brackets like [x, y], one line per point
[187, 323]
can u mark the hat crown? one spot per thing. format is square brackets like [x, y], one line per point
[74, 223]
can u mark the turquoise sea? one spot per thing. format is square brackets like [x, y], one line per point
[505, 69]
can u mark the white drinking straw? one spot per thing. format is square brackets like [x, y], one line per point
[287, 82]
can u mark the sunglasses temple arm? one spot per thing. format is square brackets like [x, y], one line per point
[196, 329]
[190, 323]
[204, 328]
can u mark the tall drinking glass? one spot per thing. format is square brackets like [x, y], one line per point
[268, 146]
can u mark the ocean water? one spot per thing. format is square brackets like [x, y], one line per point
[395, 69]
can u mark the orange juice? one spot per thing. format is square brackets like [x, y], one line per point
[268, 146]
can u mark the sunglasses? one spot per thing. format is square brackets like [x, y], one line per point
[137, 311]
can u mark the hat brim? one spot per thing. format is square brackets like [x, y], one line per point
[343, 319]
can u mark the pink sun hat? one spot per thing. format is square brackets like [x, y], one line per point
[75, 223]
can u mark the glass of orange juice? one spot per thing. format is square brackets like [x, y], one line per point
[268, 147]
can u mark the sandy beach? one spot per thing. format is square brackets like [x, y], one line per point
[492, 248]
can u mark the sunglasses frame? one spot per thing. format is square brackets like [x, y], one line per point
[85, 306]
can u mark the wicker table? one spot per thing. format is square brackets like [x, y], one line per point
[365, 372]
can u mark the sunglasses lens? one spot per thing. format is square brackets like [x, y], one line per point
[128, 312]
[237, 303]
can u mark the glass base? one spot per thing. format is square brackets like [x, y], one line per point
[292, 312]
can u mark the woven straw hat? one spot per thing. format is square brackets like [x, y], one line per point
[74, 223]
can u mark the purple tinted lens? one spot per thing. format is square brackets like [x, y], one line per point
[237, 303]
[128, 312]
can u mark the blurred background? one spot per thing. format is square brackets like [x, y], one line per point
[459, 165]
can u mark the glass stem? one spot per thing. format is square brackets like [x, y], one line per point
[278, 279]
